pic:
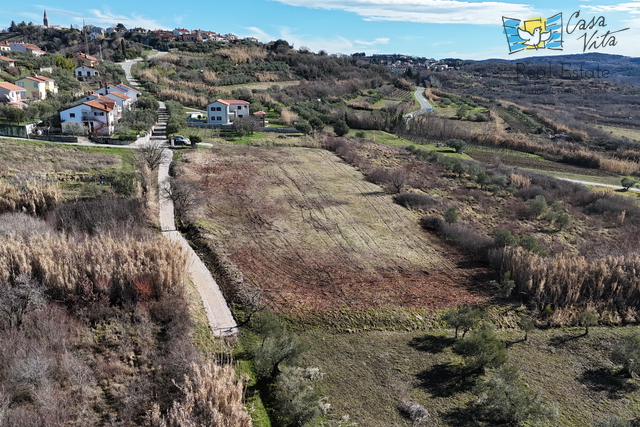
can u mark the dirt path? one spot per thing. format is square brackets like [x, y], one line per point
[218, 313]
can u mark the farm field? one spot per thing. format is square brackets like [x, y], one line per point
[75, 168]
[307, 228]
[368, 374]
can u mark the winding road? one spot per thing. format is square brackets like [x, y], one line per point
[425, 107]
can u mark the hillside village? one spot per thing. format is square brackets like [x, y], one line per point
[201, 228]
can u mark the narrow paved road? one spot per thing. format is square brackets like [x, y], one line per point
[425, 107]
[220, 318]
[219, 315]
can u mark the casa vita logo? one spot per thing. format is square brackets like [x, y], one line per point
[533, 33]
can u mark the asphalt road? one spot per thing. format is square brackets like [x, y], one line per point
[425, 107]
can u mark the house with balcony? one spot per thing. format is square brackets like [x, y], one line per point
[95, 117]
[107, 100]
[226, 111]
[37, 86]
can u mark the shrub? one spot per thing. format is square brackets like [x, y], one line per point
[415, 201]
[504, 238]
[463, 317]
[303, 127]
[451, 215]
[296, 401]
[340, 128]
[278, 345]
[482, 349]
[531, 244]
[504, 398]
[457, 144]
[538, 205]
[626, 353]
[628, 182]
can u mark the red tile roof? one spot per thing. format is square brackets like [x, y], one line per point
[232, 102]
[98, 105]
[4, 58]
[11, 86]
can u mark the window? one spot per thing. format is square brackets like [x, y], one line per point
[218, 108]
[213, 108]
[219, 118]
[240, 115]
[72, 114]
[21, 84]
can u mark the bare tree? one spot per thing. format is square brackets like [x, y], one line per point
[184, 196]
[151, 154]
[17, 299]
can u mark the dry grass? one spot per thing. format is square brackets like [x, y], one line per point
[61, 263]
[609, 284]
[241, 54]
[212, 397]
[314, 235]
[33, 197]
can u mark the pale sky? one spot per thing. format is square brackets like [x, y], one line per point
[430, 28]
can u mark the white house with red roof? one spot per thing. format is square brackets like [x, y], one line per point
[225, 111]
[86, 60]
[97, 117]
[11, 93]
[4, 46]
[120, 99]
[104, 99]
[27, 47]
[37, 86]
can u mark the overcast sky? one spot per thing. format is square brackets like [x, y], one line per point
[430, 28]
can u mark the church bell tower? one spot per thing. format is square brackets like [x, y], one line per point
[45, 21]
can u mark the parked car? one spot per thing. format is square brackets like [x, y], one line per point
[179, 139]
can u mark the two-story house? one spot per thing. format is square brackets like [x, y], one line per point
[96, 117]
[37, 86]
[225, 111]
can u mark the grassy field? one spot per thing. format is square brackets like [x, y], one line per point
[368, 374]
[73, 167]
[617, 131]
[315, 236]
[261, 86]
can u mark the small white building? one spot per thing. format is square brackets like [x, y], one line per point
[84, 72]
[96, 117]
[225, 111]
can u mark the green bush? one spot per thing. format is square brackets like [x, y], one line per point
[340, 128]
[505, 399]
[482, 349]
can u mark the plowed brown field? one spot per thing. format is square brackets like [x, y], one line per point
[309, 230]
